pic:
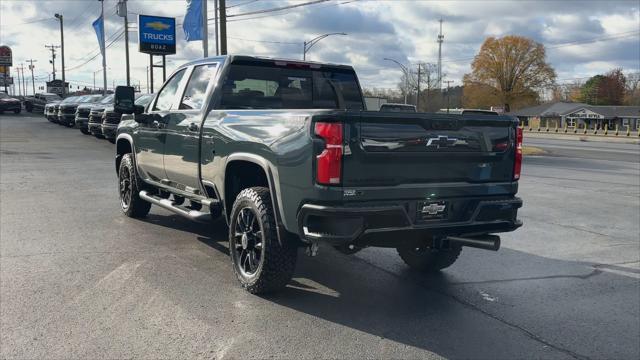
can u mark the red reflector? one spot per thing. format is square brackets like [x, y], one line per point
[329, 162]
[517, 167]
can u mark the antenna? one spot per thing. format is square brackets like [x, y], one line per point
[440, 40]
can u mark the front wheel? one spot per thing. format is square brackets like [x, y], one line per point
[85, 131]
[423, 257]
[130, 202]
[261, 263]
[16, 111]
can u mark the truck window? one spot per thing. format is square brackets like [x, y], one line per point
[270, 86]
[167, 95]
[194, 95]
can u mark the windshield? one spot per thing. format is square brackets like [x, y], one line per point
[107, 100]
[69, 99]
[143, 100]
[264, 85]
[91, 98]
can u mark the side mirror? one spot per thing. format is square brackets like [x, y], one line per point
[138, 109]
[124, 100]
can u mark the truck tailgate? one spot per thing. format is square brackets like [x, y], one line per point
[392, 149]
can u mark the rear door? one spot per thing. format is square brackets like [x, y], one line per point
[151, 134]
[396, 149]
[182, 147]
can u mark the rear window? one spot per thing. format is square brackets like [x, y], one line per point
[397, 108]
[270, 86]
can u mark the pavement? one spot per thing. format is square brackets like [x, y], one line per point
[80, 280]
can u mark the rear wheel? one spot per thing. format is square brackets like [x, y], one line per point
[423, 257]
[85, 131]
[130, 202]
[260, 262]
[16, 111]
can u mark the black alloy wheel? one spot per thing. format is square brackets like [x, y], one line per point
[248, 245]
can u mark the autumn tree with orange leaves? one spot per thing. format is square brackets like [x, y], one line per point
[508, 71]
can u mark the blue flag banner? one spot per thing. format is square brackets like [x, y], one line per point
[192, 24]
[98, 25]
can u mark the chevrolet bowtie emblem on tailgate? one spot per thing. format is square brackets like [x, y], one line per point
[433, 208]
[157, 25]
[442, 141]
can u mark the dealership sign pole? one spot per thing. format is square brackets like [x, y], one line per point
[156, 36]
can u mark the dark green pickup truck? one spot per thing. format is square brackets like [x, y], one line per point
[285, 152]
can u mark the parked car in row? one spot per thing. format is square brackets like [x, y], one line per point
[67, 109]
[94, 123]
[9, 103]
[37, 103]
[111, 117]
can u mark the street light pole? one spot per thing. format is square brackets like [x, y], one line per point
[406, 77]
[309, 44]
[64, 84]
[104, 50]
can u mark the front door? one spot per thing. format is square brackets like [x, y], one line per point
[182, 148]
[151, 133]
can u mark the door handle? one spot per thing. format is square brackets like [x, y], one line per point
[193, 127]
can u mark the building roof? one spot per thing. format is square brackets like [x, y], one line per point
[565, 108]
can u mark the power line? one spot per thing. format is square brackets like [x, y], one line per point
[285, 13]
[277, 9]
[29, 22]
[242, 4]
[96, 55]
[265, 41]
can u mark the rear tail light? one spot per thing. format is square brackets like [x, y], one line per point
[329, 162]
[517, 167]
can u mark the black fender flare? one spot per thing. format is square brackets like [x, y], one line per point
[272, 178]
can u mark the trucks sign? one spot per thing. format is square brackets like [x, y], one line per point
[157, 35]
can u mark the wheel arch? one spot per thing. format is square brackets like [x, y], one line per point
[124, 145]
[263, 175]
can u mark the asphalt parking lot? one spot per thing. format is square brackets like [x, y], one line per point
[80, 280]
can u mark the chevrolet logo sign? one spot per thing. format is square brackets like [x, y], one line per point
[444, 141]
[157, 25]
[433, 209]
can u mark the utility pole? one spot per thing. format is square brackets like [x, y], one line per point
[24, 81]
[418, 92]
[64, 84]
[53, 58]
[448, 96]
[122, 12]
[19, 86]
[33, 81]
[148, 92]
[215, 19]
[205, 30]
[104, 50]
[223, 27]
[440, 40]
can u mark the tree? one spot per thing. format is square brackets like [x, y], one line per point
[632, 91]
[512, 68]
[608, 89]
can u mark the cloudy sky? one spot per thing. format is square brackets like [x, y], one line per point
[583, 38]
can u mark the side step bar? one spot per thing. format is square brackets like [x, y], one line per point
[178, 209]
[487, 242]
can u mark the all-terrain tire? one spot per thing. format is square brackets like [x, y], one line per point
[426, 259]
[85, 131]
[128, 188]
[276, 261]
[17, 111]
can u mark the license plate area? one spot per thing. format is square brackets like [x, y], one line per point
[432, 210]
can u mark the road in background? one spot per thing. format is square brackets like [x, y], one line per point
[79, 279]
[600, 150]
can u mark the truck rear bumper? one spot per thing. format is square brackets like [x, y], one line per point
[384, 225]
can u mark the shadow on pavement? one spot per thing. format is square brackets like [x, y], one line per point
[508, 304]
